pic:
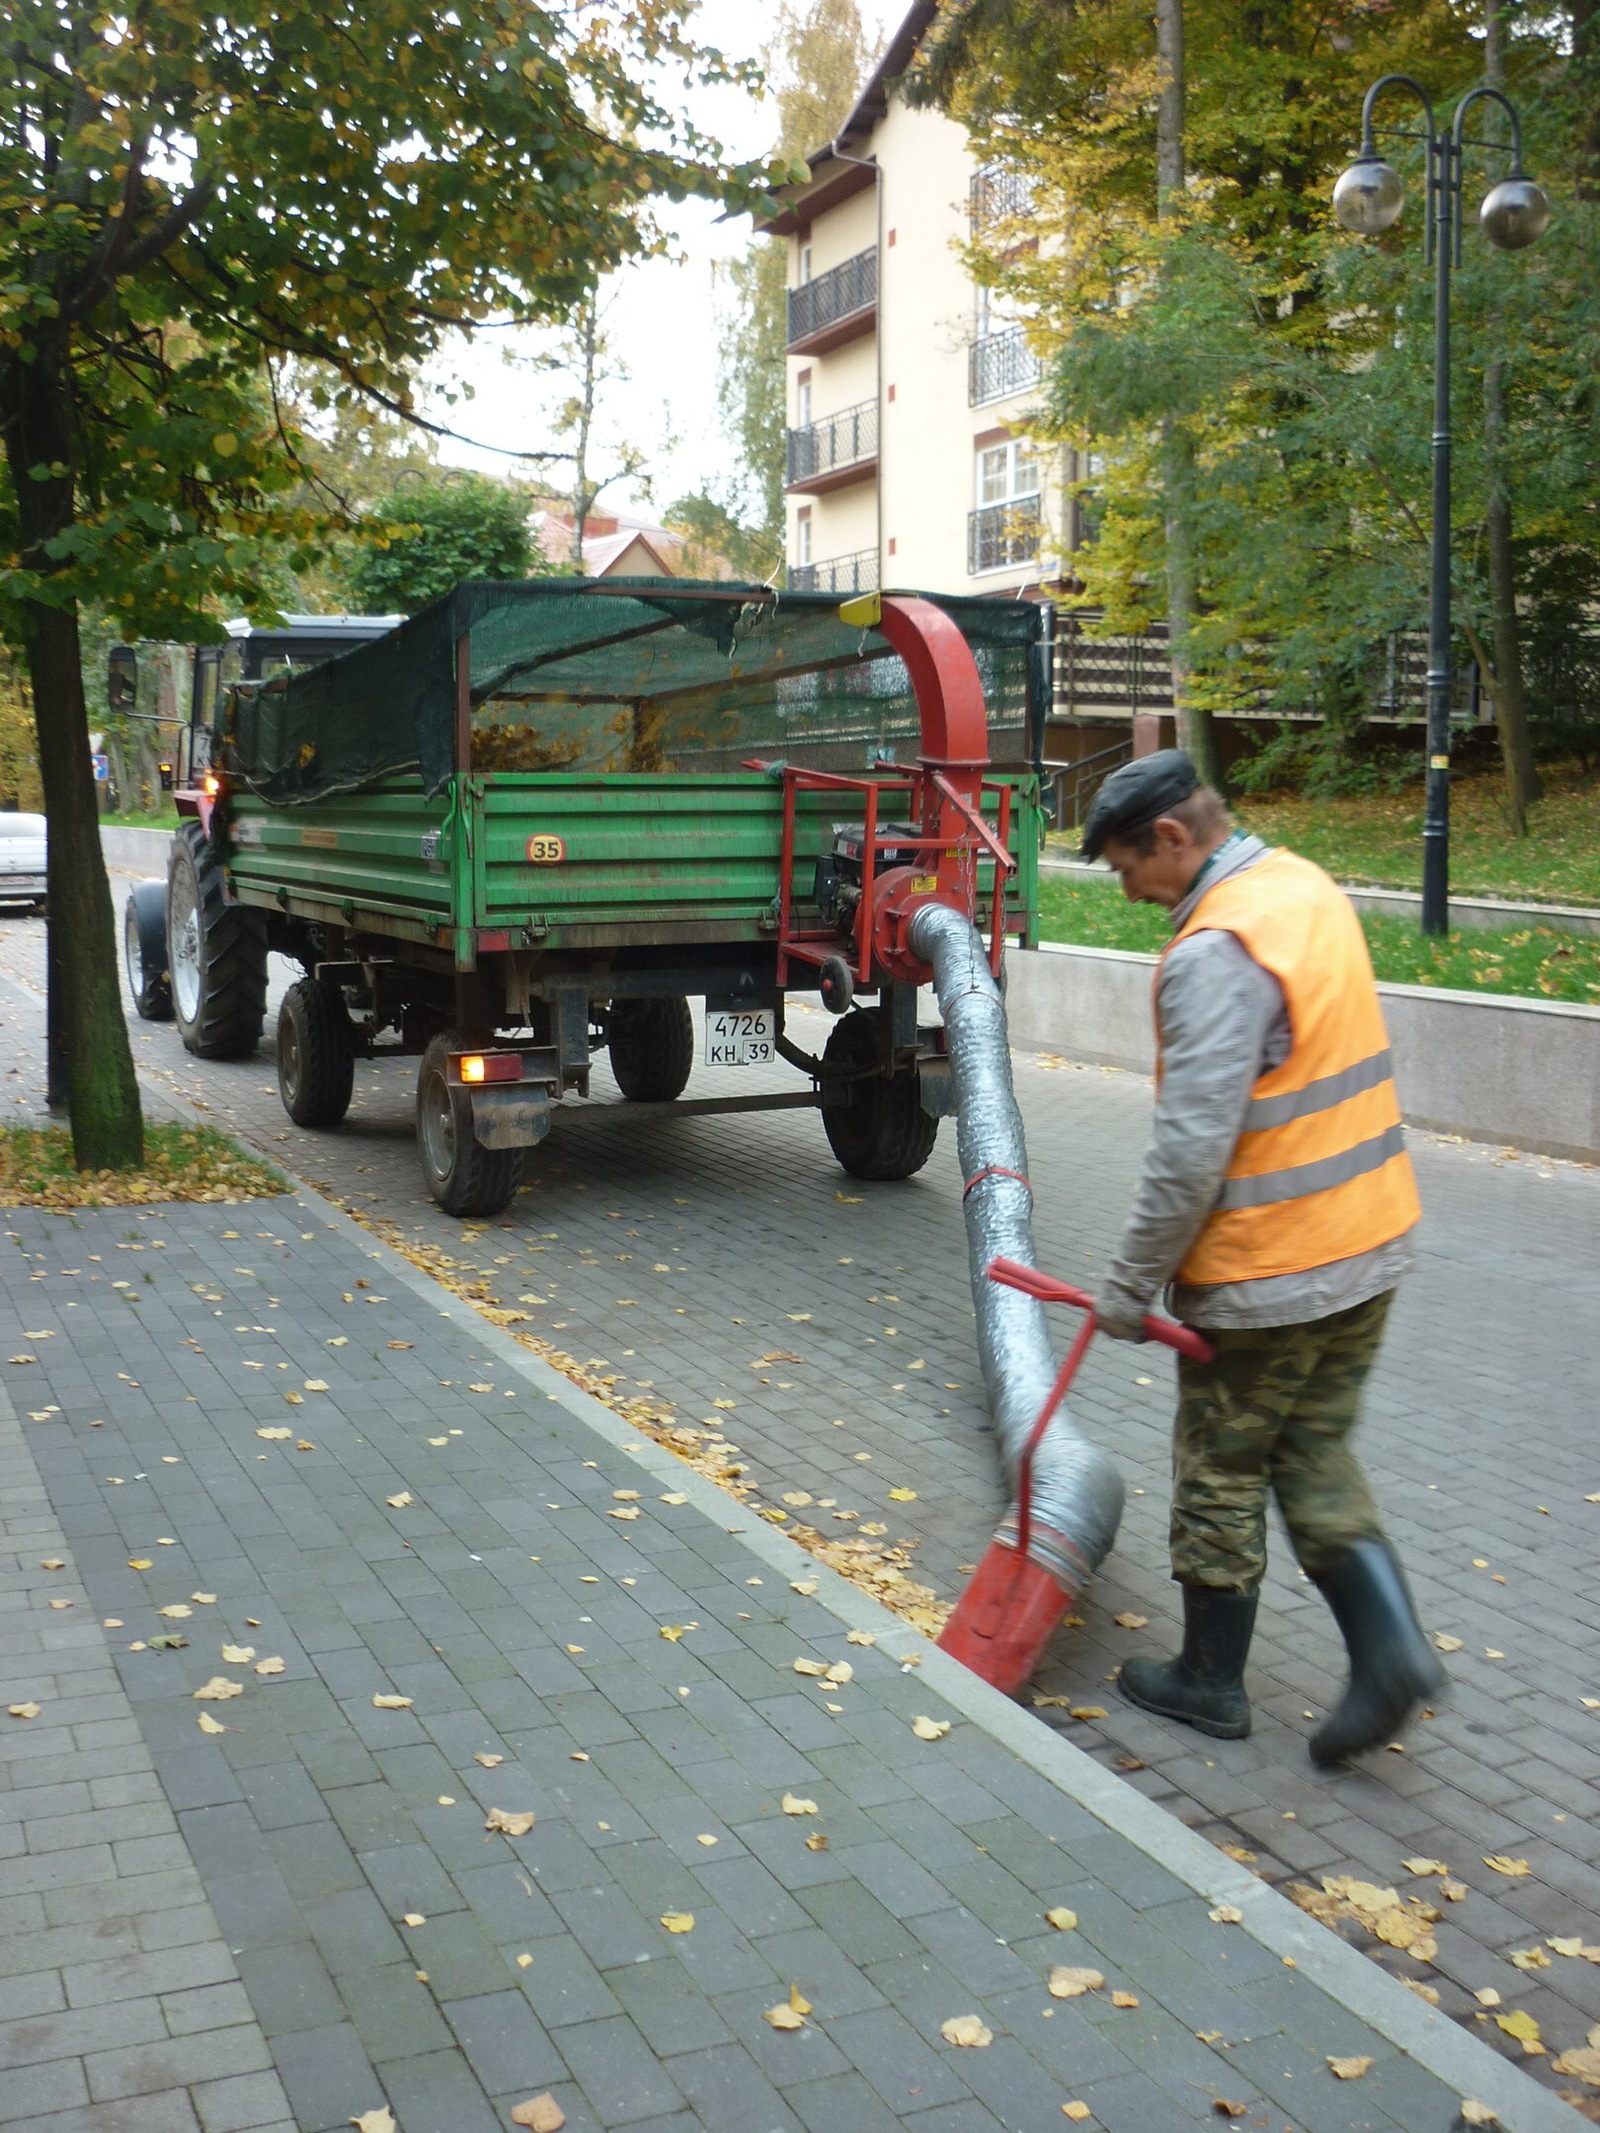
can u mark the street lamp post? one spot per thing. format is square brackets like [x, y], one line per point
[1368, 199]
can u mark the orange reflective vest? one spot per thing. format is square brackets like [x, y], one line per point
[1320, 1171]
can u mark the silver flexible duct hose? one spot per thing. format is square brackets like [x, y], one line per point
[1077, 1488]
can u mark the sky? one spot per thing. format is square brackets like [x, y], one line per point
[663, 321]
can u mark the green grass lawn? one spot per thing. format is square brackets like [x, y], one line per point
[1378, 838]
[1540, 961]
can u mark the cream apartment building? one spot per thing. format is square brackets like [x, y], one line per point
[906, 463]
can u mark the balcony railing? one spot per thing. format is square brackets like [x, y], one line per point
[856, 573]
[847, 439]
[996, 194]
[850, 287]
[999, 365]
[1000, 535]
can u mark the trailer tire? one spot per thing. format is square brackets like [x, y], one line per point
[144, 950]
[316, 1053]
[216, 955]
[652, 1048]
[463, 1176]
[875, 1123]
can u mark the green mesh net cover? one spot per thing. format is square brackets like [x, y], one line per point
[620, 674]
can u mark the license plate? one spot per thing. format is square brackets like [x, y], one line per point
[740, 1036]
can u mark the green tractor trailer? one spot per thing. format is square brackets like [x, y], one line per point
[537, 819]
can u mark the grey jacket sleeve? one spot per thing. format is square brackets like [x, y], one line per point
[1217, 1010]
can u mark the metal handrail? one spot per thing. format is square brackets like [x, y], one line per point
[999, 364]
[849, 287]
[856, 573]
[837, 441]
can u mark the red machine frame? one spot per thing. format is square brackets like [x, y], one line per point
[944, 793]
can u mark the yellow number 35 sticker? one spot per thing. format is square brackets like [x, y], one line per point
[546, 850]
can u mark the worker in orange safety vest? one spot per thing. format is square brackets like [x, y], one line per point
[1277, 1201]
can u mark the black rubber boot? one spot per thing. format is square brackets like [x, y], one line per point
[1204, 1685]
[1392, 1666]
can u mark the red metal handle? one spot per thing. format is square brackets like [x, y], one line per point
[1012, 1274]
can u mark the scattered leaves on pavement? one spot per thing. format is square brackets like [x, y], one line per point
[790, 2013]
[540, 2114]
[966, 2030]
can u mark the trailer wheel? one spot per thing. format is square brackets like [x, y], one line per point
[144, 950]
[875, 1124]
[316, 1053]
[652, 1048]
[216, 954]
[464, 1177]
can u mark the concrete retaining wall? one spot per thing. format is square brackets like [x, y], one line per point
[1523, 1073]
[1482, 912]
[135, 851]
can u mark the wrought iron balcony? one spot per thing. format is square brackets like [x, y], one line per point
[995, 194]
[1000, 364]
[1000, 535]
[846, 574]
[837, 449]
[834, 306]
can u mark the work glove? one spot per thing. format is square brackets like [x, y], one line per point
[1120, 1315]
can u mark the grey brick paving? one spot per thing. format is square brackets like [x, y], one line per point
[315, 1821]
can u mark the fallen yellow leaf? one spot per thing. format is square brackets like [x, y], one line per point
[1486, 1996]
[23, 1710]
[268, 1667]
[902, 1495]
[1348, 2069]
[138, 1562]
[1087, 1710]
[489, 1762]
[1425, 1866]
[792, 1805]
[1445, 1643]
[540, 2114]
[816, 1842]
[1226, 1914]
[1124, 1999]
[391, 1703]
[1069, 1982]
[1131, 1621]
[860, 1636]
[414, 1918]
[510, 1822]
[208, 1724]
[378, 2121]
[1521, 2025]
[1077, 2111]
[395, 1503]
[1515, 1868]
[930, 1728]
[814, 1668]
[678, 1921]
[177, 1614]
[1474, 2113]
[1062, 1919]
[238, 1654]
[966, 2030]
[219, 1689]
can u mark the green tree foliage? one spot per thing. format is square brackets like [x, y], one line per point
[816, 61]
[426, 535]
[187, 191]
[713, 536]
[1296, 359]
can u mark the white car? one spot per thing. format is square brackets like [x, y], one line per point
[22, 860]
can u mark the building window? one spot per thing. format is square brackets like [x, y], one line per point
[1007, 471]
[805, 264]
[802, 401]
[803, 538]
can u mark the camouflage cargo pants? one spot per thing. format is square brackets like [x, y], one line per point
[1272, 1413]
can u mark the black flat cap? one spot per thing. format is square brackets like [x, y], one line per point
[1136, 793]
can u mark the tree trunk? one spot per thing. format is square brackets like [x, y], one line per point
[1197, 733]
[102, 1093]
[1510, 687]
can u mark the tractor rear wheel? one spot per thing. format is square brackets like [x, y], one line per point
[216, 953]
[144, 950]
[464, 1177]
[316, 1053]
[652, 1048]
[875, 1122]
